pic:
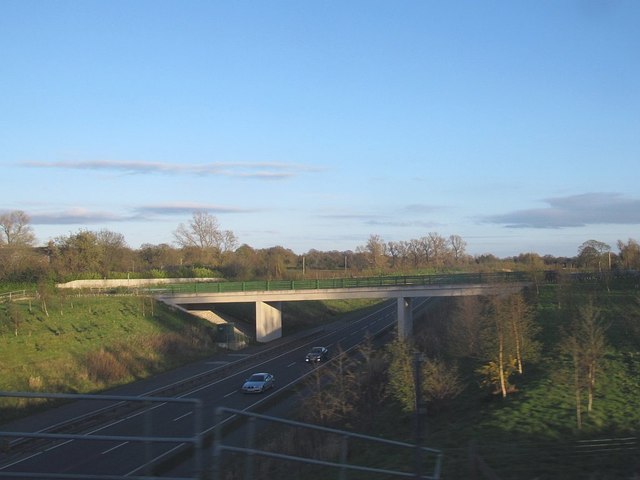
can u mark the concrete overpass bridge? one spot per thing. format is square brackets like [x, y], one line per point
[269, 295]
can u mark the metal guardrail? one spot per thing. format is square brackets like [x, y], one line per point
[343, 466]
[195, 441]
[355, 282]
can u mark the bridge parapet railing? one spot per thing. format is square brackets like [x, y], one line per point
[350, 282]
[427, 462]
[63, 432]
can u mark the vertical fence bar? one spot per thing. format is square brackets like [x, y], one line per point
[344, 455]
[217, 446]
[197, 431]
[147, 433]
[249, 459]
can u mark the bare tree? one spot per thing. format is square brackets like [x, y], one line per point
[414, 251]
[334, 391]
[203, 231]
[204, 234]
[498, 346]
[371, 377]
[464, 330]
[441, 381]
[571, 345]
[458, 247]
[374, 250]
[401, 373]
[593, 345]
[629, 254]
[586, 344]
[15, 229]
[394, 249]
[534, 265]
[117, 256]
[438, 247]
[523, 330]
[229, 241]
[593, 253]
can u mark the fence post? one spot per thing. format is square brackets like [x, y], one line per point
[217, 446]
[197, 431]
[344, 453]
[147, 433]
[248, 464]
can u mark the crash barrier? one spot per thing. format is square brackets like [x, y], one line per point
[426, 458]
[148, 403]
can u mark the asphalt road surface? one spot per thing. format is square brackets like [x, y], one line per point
[170, 422]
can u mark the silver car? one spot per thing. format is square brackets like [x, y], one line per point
[258, 382]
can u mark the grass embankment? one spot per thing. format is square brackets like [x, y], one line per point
[86, 344]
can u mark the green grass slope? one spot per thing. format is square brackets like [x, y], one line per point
[533, 433]
[87, 344]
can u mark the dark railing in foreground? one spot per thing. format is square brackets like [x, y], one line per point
[147, 402]
[429, 467]
[354, 282]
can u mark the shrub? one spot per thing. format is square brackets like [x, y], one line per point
[157, 273]
[102, 366]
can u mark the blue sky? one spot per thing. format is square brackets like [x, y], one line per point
[315, 124]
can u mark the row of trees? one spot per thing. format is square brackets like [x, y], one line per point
[499, 335]
[202, 248]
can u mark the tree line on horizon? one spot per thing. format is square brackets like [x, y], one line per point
[202, 249]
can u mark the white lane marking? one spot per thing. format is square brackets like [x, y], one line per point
[229, 394]
[4, 467]
[114, 448]
[58, 445]
[153, 460]
[182, 416]
[292, 364]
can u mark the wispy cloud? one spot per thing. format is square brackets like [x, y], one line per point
[265, 170]
[188, 208]
[574, 211]
[359, 217]
[403, 223]
[421, 209]
[77, 216]
[401, 219]
[83, 216]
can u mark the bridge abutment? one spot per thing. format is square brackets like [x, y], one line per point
[268, 321]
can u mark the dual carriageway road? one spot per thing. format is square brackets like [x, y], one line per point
[214, 382]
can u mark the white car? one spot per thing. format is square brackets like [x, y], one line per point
[258, 383]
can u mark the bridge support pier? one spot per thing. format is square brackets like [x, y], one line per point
[405, 317]
[268, 321]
